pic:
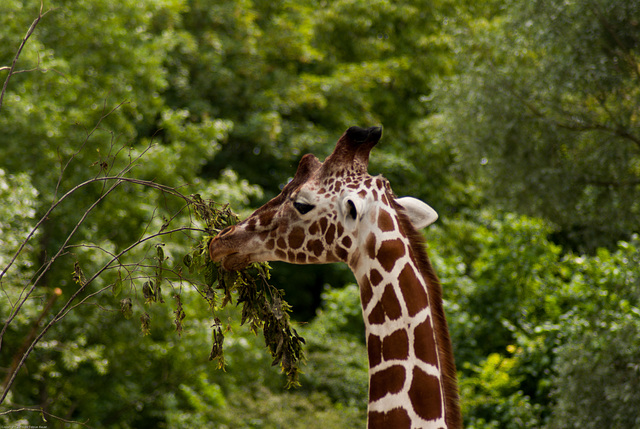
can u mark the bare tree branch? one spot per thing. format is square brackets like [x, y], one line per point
[11, 69]
[42, 411]
[86, 140]
[574, 122]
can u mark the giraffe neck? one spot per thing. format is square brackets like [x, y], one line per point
[409, 374]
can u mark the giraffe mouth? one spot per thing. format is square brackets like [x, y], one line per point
[235, 261]
[221, 251]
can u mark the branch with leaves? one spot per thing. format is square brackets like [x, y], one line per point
[263, 306]
[196, 219]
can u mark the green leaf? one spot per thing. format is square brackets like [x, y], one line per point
[210, 273]
[187, 261]
[148, 292]
[179, 314]
[126, 307]
[217, 350]
[160, 252]
[78, 274]
[116, 289]
[145, 321]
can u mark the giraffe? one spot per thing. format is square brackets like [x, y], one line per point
[334, 211]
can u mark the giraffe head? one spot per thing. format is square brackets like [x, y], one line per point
[321, 214]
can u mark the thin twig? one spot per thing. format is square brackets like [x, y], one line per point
[24, 42]
[571, 125]
[42, 411]
[86, 140]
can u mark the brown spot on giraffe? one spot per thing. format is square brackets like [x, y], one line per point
[374, 350]
[396, 345]
[397, 418]
[365, 291]
[316, 247]
[370, 246]
[386, 381]
[330, 235]
[415, 295]
[390, 303]
[377, 316]
[375, 277]
[251, 225]
[266, 217]
[323, 225]
[385, 221]
[390, 251]
[296, 237]
[424, 343]
[425, 395]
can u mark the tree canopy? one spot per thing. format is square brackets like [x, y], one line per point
[130, 133]
[550, 119]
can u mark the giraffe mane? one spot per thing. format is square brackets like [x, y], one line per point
[418, 245]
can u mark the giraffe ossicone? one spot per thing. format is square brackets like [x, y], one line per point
[334, 211]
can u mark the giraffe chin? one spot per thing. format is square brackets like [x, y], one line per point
[235, 262]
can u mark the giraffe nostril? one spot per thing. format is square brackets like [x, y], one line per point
[226, 231]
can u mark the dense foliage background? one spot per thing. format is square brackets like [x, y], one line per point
[519, 121]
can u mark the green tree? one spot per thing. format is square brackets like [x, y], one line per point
[596, 370]
[544, 110]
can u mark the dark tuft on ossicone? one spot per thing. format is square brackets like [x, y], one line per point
[358, 134]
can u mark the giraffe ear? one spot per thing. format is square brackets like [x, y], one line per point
[420, 214]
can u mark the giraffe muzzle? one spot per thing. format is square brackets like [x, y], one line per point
[220, 250]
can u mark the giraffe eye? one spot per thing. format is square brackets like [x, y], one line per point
[303, 208]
